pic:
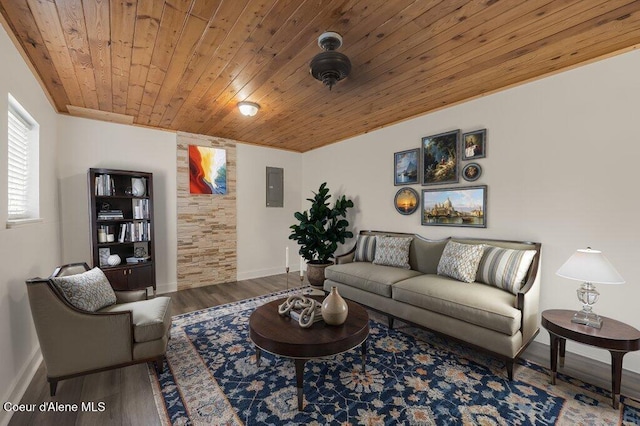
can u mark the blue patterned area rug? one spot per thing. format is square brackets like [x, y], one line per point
[412, 378]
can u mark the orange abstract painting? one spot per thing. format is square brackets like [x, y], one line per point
[207, 170]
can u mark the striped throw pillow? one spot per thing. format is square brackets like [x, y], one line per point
[504, 268]
[365, 248]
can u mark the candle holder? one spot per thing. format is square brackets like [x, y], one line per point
[287, 272]
[301, 281]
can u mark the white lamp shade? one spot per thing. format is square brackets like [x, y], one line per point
[248, 108]
[590, 266]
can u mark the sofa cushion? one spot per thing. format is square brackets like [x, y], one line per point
[151, 318]
[504, 268]
[424, 255]
[392, 251]
[88, 291]
[460, 261]
[369, 277]
[476, 303]
[365, 248]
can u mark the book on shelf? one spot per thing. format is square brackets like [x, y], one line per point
[110, 214]
[141, 209]
[104, 185]
[134, 232]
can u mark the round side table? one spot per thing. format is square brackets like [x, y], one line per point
[615, 336]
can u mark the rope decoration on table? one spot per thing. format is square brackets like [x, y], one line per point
[305, 305]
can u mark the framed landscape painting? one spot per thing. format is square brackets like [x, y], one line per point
[405, 167]
[406, 201]
[207, 170]
[440, 158]
[465, 206]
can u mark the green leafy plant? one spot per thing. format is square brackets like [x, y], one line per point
[322, 227]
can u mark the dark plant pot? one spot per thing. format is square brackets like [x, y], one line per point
[315, 273]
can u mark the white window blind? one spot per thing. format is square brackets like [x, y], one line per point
[19, 156]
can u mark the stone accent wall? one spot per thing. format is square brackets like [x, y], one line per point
[206, 223]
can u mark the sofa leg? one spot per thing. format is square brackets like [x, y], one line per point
[510, 369]
[390, 320]
[158, 363]
[53, 386]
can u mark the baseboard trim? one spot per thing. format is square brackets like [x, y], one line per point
[259, 273]
[20, 384]
[166, 288]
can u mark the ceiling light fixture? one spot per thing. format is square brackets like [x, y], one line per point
[330, 66]
[248, 108]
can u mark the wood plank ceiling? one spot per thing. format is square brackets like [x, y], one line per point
[185, 64]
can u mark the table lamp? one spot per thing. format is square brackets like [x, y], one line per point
[590, 267]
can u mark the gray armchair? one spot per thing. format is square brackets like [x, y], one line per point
[75, 342]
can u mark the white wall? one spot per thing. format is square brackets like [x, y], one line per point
[263, 231]
[86, 143]
[30, 250]
[560, 168]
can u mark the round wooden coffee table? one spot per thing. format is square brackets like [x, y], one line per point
[615, 336]
[282, 336]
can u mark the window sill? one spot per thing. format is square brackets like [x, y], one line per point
[16, 223]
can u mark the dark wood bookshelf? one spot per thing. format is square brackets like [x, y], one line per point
[113, 190]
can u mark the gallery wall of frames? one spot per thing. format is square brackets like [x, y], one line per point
[440, 164]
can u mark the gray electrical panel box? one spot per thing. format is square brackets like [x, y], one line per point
[275, 187]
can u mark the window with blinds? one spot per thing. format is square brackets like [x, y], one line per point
[21, 172]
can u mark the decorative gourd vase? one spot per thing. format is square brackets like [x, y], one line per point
[334, 308]
[113, 260]
[138, 188]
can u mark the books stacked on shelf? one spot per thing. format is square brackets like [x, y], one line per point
[110, 214]
[141, 209]
[134, 231]
[104, 185]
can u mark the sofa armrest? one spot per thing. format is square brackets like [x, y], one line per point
[346, 257]
[528, 301]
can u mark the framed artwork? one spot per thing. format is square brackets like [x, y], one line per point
[475, 144]
[405, 167]
[465, 206]
[471, 172]
[440, 159]
[406, 201]
[207, 170]
[103, 256]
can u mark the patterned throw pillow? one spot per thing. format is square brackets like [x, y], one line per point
[392, 251]
[365, 248]
[460, 261]
[88, 291]
[504, 268]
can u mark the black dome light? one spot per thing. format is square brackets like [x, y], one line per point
[330, 66]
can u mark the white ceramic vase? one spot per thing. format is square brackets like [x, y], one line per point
[114, 260]
[137, 187]
[334, 308]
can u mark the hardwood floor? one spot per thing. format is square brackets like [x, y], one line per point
[127, 392]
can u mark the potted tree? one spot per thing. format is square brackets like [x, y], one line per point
[319, 231]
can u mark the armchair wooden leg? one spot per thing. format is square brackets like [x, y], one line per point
[53, 385]
[390, 320]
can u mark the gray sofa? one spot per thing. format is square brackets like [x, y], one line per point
[483, 316]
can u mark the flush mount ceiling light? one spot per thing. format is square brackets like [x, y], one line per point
[248, 108]
[330, 66]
